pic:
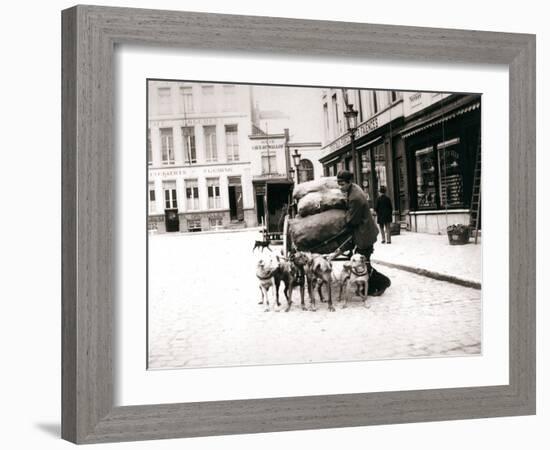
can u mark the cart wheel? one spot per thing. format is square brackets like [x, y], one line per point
[286, 237]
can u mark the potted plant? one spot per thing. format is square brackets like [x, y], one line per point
[458, 234]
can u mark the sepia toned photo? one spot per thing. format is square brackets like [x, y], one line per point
[290, 225]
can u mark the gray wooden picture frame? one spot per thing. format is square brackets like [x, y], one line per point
[90, 34]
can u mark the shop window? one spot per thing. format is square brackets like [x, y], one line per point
[426, 190]
[189, 148]
[451, 188]
[214, 200]
[152, 200]
[194, 225]
[380, 165]
[215, 222]
[192, 194]
[170, 197]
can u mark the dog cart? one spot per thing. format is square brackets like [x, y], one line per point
[316, 221]
[322, 240]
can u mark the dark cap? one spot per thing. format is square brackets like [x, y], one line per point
[383, 189]
[344, 175]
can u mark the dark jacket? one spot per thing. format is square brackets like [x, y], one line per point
[384, 209]
[359, 218]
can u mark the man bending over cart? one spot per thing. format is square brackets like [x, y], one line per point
[360, 224]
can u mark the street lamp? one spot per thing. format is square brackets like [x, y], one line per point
[296, 158]
[351, 118]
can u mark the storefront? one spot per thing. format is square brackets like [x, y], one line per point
[272, 197]
[376, 141]
[441, 151]
[200, 198]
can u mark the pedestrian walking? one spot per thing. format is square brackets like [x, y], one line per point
[360, 223]
[384, 211]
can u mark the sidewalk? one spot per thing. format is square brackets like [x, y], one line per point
[432, 256]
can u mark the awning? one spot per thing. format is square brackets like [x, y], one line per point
[368, 144]
[417, 128]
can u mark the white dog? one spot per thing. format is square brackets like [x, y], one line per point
[265, 267]
[355, 275]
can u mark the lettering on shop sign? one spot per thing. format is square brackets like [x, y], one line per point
[339, 143]
[189, 172]
[367, 127]
[271, 146]
[415, 99]
[184, 122]
[219, 170]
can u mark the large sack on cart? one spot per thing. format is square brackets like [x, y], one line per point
[320, 185]
[316, 202]
[311, 233]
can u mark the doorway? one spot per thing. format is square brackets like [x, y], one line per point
[236, 210]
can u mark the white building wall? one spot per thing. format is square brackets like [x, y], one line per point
[176, 118]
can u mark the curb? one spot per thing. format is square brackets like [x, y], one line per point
[431, 274]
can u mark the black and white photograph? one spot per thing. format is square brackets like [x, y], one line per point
[306, 224]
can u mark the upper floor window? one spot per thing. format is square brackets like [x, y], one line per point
[229, 98]
[167, 146]
[373, 102]
[208, 99]
[336, 117]
[189, 148]
[232, 143]
[186, 99]
[211, 151]
[149, 149]
[305, 171]
[165, 100]
[269, 164]
[325, 117]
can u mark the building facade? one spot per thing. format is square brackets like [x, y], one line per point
[198, 155]
[380, 115]
[422, 146]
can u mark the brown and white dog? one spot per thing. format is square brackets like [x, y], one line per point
[265, 268]
[358, 279]
[318, 272]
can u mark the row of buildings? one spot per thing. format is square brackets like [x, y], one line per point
[218, 160]
[425, 147]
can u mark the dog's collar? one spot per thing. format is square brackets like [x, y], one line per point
[360, 274]
[266, 277]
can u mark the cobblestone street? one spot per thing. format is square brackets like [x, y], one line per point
[203, 311]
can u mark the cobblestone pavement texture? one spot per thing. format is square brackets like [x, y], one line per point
[433, 253]
[204, 312]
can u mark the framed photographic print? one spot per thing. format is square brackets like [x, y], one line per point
[263, 229]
